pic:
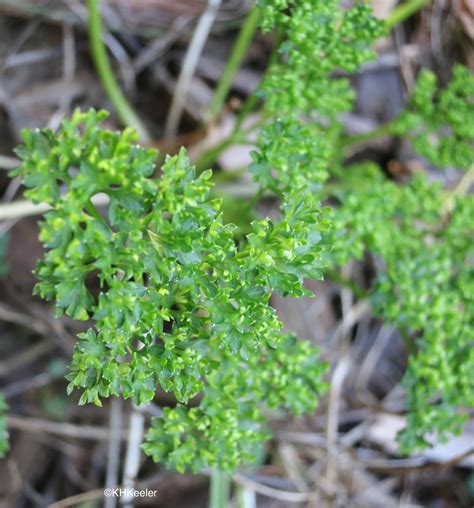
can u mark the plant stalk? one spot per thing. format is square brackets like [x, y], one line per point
[359, 292]
[99, 54]
[209, 156]
[190, 62]
[250, 102]
[246, 498]
[113, 449]
[404, 11]
[256, 199]
[238, 52]
[386, 129]
[132, 458]
[460, 190]
[220, 489]
[237, 136]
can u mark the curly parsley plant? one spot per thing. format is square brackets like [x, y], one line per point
[181, 305]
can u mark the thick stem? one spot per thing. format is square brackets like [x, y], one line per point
[220, 489]
[404, 11]
[99, 54]
[238, 52]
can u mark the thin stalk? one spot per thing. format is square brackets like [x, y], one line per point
[220, 489]
[132, 458]
[228, 176]
[208, 157]
[359, 292]
[460, 190]
[246, 498]
[247, 107]
[190, 62]
[407, 339]
[238, 52]
[99, 54]
[386, 129]
[404, 11]
[237, 136]
[113, 450]
[252, 99]
[254, 201]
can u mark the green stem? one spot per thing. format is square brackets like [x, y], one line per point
[407, 339]
[252, 99]
[210, 156]
[386, 129]
[257, 197]
[220, 489]
[125, 112]
[220, 177]
[404, 11]
[207, 158]
[238, 52]
[246, 108]
[334, 275]
[460, 190]
[237, 136]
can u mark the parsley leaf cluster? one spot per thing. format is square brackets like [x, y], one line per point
[302, 98]
[440, 123]
[418, 235]
[424, 285]
[180, 304]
